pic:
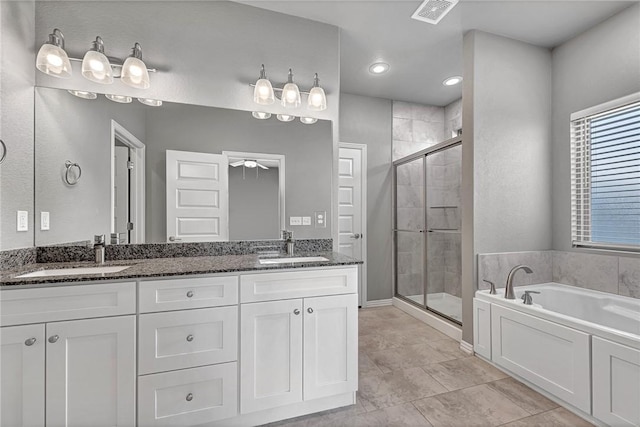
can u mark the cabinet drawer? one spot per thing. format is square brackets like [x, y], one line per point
[184, 339]
[184, 293]
[38, 305]
[297, 284]
[188, 397]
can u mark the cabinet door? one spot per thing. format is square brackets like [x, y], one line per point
[616, 383]
[22, 373]
[271, 354]
[482, 328]
[91, 372]
[330, 345]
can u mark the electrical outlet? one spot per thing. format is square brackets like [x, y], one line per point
[44, 220]
[321, 219]
[306, 220]
[295, 220]
[23, 221]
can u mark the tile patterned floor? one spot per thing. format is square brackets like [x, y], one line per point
[412, 375]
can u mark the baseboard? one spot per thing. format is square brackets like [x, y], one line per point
[466, 347]
[432, 320]
[378, 303]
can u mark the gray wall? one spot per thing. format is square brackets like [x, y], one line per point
[254, 204]
[510, 113]
[599, 65]
[308, 151]
[79, 130]
[17, 76]
[366, 120]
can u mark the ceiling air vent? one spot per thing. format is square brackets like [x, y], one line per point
[432, 11]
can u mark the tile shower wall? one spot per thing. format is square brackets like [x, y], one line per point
[416, 127]
[605, 273]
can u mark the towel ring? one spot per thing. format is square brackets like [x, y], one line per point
[70, 165]
[4, 151]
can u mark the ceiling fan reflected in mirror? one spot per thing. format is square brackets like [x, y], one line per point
[248, 164]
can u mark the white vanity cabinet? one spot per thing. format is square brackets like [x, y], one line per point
[298, 349]
[84, 369]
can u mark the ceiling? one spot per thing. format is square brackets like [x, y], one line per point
[422, 55]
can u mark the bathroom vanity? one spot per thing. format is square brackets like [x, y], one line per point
[242, 347]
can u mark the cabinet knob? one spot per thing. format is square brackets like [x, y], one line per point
[309, 310]
[30, 342]
[189, 338]
[53, 338]
[189, 294]
[189, 397]
[296, 311]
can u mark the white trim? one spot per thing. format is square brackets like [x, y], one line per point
[138, 152]
[430, 319]
[239, 155]
[466, 347]
[605, 106]
[378, 303]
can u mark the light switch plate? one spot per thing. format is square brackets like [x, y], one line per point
[306, 220]
[295, 220]
[321, 219]
[23, 221]
[44, 220]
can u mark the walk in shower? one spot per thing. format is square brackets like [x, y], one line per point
[427, 222]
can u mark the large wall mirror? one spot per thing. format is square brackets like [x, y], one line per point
[173, 173]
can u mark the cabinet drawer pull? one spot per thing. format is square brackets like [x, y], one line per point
[30, 342]
[296, 311]
[53, 338]
[309, 310]
[189, 294]
[189, 338]
[189, 397]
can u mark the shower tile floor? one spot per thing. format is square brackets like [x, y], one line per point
[413, 375]
[442, 302]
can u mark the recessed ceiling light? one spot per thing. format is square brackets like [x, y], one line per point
[150, 102]
[83, 94]
[261, 115]
[123, 99]
[379, 67]
[452, 81]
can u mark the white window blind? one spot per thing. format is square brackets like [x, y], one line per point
[605, 176]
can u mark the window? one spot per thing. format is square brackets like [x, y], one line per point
[605, 175]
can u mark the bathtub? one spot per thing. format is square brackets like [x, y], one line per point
[579, 346]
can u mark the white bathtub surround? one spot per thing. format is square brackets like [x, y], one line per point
[618, 275]
[580, 346]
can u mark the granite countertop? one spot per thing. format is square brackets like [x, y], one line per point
[159, 267]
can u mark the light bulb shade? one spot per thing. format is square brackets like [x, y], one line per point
[317, 99]
[150, 102]
[135, 73]
[83, 94]
[261, 115]
[122, 99]
[291, 95]
[263, 92]
[96, 67]
[285, 117]
[53, 60]
[308, 120]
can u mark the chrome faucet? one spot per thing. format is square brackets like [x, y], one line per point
[508, 290]
[98, 247]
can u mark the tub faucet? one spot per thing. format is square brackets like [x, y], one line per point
[508, 290]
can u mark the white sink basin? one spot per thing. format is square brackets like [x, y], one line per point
[75, 271]
[291, 260]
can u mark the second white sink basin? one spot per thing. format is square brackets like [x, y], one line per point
[291, 260]
[76, 271]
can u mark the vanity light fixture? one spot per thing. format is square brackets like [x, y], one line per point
[83, 94]
[317, 100]
[122, 99]
[95, 64]
[52, 58]
[452, 81]
[285, 117]
[261, 115]
[290, 93]
[263, 91]
[150, 102]
[379, 68]
[308, 120]
[134, 70]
